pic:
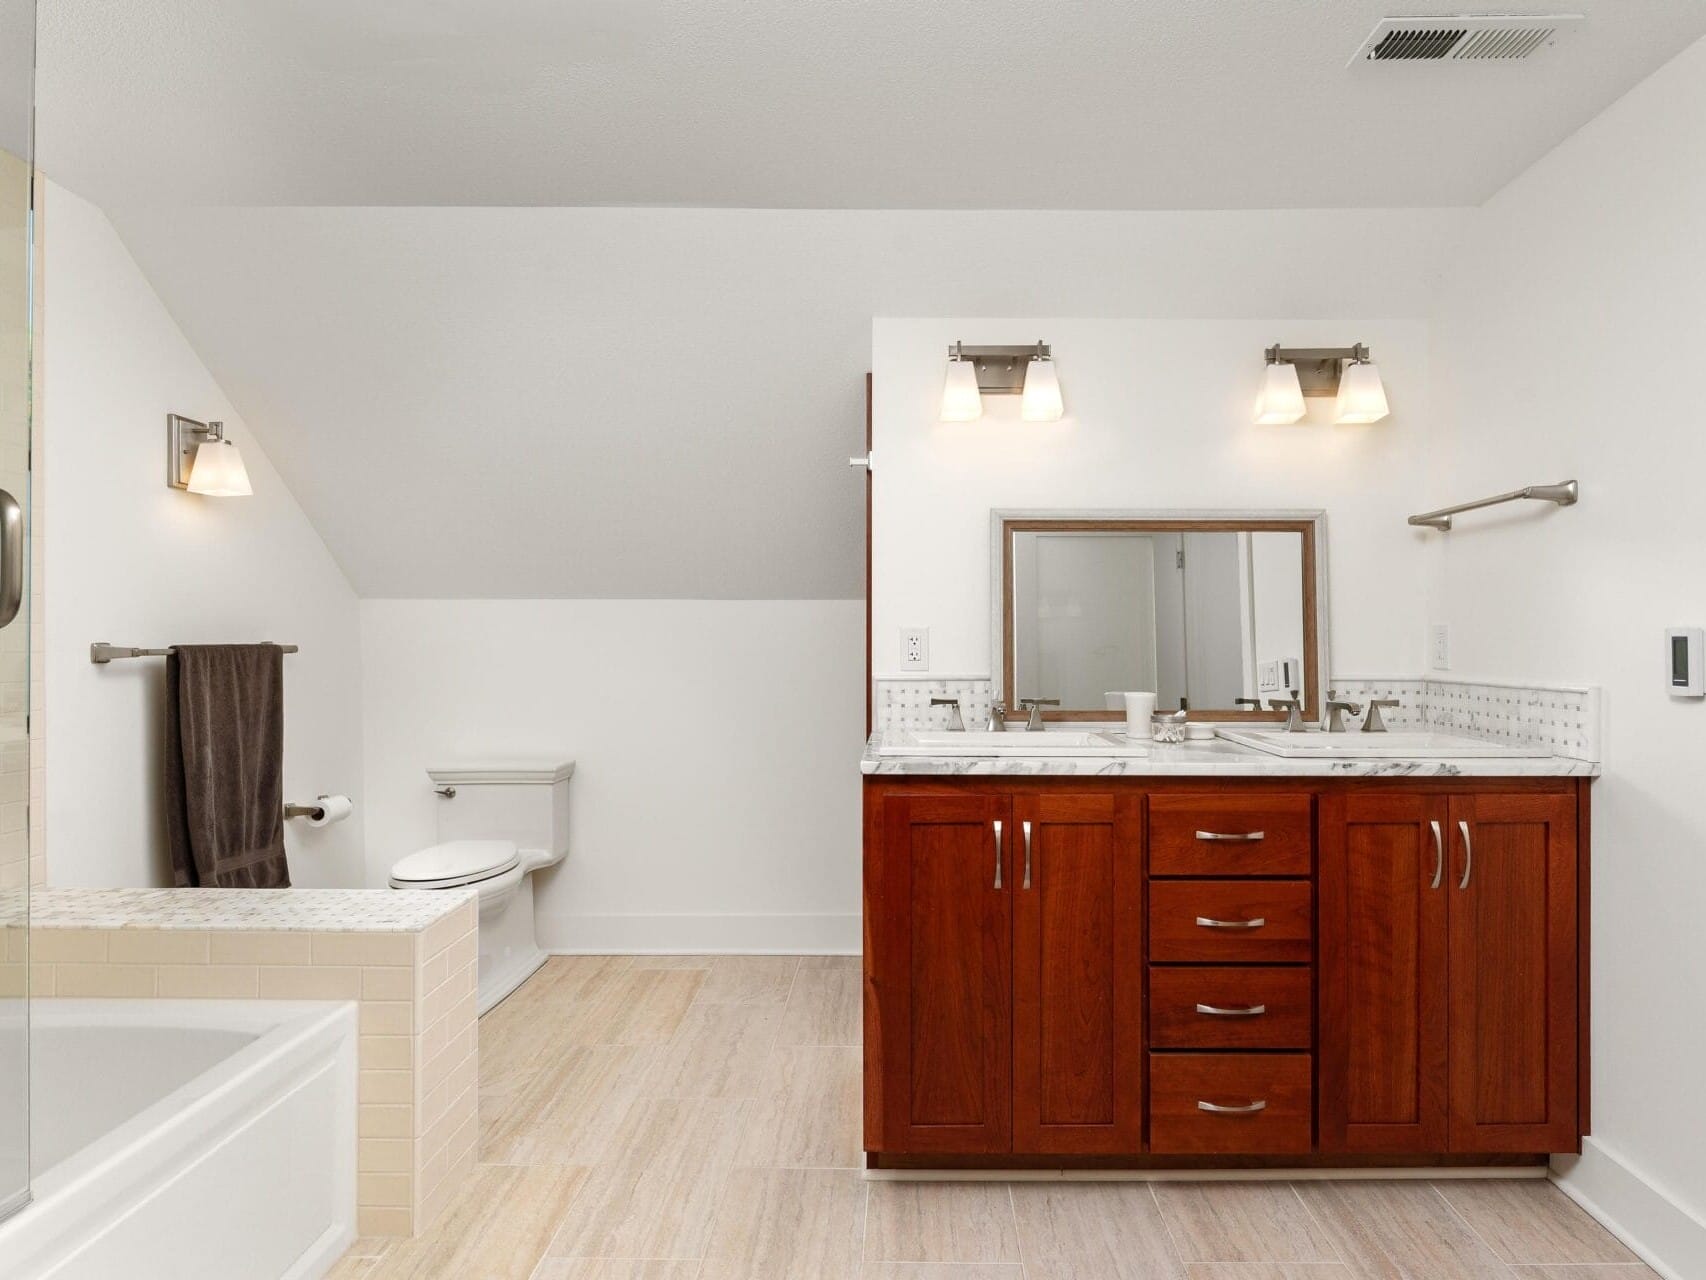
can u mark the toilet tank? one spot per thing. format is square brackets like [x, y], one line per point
[527, 803]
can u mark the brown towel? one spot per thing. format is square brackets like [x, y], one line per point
[225, 765]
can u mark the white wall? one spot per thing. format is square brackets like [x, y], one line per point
[1157, 415]
[715, 802]
[1569, 345]
[133, 562]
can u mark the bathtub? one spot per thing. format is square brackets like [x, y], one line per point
[187, 1140]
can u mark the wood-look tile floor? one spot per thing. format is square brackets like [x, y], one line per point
[697, 1118]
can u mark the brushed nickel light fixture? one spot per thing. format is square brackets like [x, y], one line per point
[200, 459]
[1346, 373]
[1027, 372]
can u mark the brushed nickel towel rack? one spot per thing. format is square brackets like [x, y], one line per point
[1564, 495]
[101, 653]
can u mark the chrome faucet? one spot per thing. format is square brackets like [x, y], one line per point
[956, 716]
[1034, 721]
[997, 717]
[1255, 704]
[1293, 707]
[1336, 713]
[1374, 724]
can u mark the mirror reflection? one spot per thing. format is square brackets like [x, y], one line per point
[1210, 619]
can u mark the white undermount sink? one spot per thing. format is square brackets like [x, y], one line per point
[978, 742]
[1355, 745]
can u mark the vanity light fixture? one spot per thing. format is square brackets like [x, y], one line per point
[1041, 399]
[960, 399]
[1026, 372]
[1281, 397]
[1343, 372]
[200, 459]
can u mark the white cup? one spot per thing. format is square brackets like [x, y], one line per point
[1138, 708]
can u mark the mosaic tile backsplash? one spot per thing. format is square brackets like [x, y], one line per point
[1565, 720]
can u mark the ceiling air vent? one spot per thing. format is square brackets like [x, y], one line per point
[1463, 39]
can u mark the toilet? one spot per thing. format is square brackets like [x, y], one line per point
[497, 825]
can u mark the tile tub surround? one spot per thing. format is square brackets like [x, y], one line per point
[1564, 719]
[408, 959]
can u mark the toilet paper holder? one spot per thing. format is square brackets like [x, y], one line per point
[316, 812]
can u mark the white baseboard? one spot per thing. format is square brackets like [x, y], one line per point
[700, 935]
[1667, 1236]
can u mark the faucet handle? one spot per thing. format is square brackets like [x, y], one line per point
[1035, 706]
[997, 717]
[1374, 723]
[956, 717]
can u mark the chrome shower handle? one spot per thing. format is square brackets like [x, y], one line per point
[11, 558]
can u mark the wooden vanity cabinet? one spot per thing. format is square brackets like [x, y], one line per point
[1054, 991]
[1004, 972]
[1449, 972]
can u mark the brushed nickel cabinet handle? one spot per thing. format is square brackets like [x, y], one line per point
[1439, 855]
[1026, 828]
[1204, 922]
[997, 855]
[1232, 835]
[1468, 855]
[1249, 1011]
[1261, 1104]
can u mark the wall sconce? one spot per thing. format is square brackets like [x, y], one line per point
[200, 459]
[1343, 372]
[1027, 372]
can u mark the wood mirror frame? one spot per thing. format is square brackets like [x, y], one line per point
[1311, 526]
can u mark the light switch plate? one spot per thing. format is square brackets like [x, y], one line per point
[915, 648]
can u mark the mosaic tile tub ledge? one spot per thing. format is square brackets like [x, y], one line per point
[407, 958]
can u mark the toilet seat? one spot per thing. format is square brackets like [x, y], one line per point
[457, 862]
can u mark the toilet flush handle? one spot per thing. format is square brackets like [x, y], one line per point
[448, 793]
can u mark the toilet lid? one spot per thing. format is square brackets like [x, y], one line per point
[457, 862]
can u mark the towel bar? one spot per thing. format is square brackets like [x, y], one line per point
[101, 653]
[1565, 495]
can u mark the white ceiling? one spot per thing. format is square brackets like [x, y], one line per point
[1101, 104]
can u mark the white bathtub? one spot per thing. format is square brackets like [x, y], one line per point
[188, 1139]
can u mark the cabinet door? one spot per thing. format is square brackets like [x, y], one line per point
[1077, 973]
[939, 904]
[1384, 897]
[1513, 972]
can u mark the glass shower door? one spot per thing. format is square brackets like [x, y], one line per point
[17, 65]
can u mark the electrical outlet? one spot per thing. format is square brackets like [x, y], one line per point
[915, 648]
[1439, 646]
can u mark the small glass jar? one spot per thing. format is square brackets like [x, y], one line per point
[1167, 728]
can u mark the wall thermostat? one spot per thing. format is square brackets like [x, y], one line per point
[1685, 646]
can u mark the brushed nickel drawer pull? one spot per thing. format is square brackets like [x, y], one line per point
[1232, 835]
[1439, 855]
[1261, 1104]
[1468, 855]
[1026, 828]
[997, 855]
[1250, 1011]
[1204, 922]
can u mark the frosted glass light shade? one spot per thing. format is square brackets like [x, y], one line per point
[1362, 397]
[960, 399]
[1281, 397]
[218, 471]
[1041, 399]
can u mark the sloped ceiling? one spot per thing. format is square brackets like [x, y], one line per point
[891, 104]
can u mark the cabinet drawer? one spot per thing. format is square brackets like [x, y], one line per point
[1231, 835]
[1267, 1099]
[1284, 998]
[1229, 912]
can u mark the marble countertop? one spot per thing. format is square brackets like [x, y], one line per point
[1215, 759]
[246, 910]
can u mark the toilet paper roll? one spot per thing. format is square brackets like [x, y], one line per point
[332, 809]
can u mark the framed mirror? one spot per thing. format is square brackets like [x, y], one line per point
[1217, 612]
